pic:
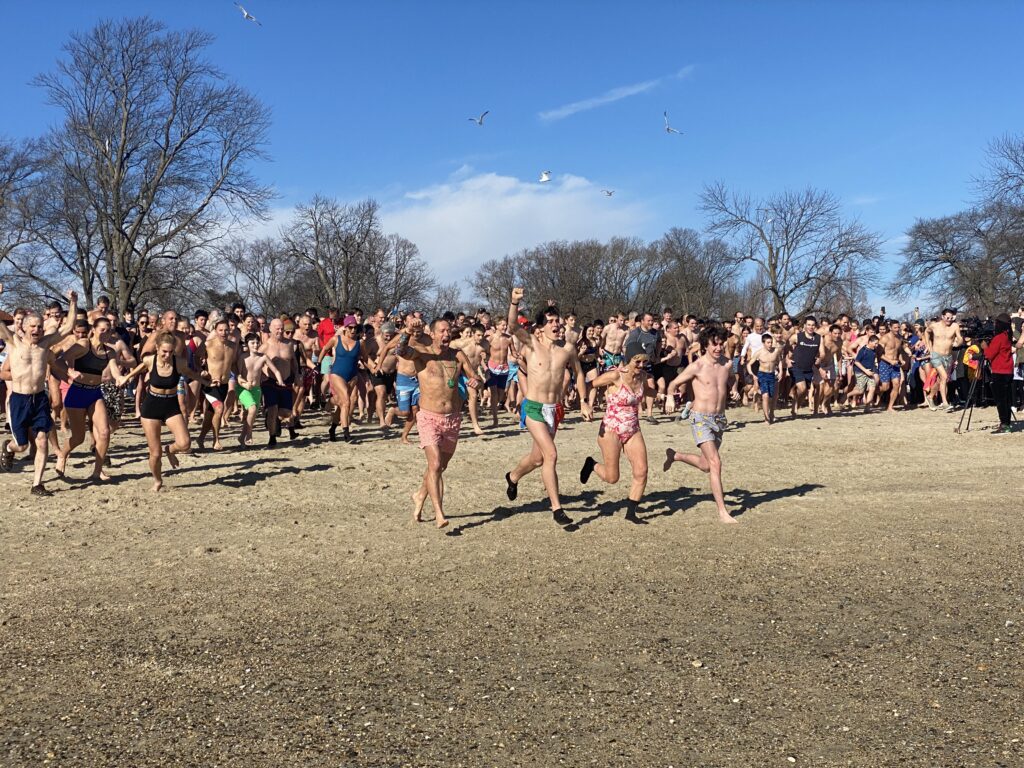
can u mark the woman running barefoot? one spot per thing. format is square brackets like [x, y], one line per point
[95, 360]
[348, 353]
[627, 385]
[161, 404]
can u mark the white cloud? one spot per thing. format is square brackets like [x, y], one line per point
[609, 97]
[464, 222]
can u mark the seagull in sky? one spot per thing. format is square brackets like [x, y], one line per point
[669, 128]
[480, 120]
[545, 176]
[608, 192]
[246, 15]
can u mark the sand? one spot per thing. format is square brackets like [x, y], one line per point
[278, 608]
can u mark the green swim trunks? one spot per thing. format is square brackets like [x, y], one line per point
[249, 398]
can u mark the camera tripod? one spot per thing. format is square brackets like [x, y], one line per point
[969, 410]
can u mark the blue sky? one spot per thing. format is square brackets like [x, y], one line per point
[888, 105]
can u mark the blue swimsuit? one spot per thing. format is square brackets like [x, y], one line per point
[346, 361]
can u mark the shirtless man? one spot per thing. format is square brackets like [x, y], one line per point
[100, 310]
[769, 359]
[710, 375]
[941, 337]
[308, 345]
[382, 382]
[473, 346]
[890, 367]
[407, 388]
[439, 418]
[572, 331]
[28, 412]
[612, 340]
[830, 351]
[498, 366]
[219, 355]
[279, 400]
[546, 357]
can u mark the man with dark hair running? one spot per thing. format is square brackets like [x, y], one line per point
[710, 374]
[546, 357]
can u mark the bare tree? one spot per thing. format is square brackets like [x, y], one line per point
[157, 141]
[973, 259]
[1003, 180]
[19, 163]
[333, 240]
[797, 241]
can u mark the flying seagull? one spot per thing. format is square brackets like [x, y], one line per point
[545, 176]
[480, 120]
[246, 15]
[669, 128]
[608, 192]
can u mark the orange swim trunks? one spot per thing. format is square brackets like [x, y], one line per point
[440, 429]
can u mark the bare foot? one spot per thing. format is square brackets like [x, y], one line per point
[725, 517]
[102, 476]
[670, 457]
[171, 458]
[441, 522]
[158, 485]
[477, 431]
[62, 462]
[417, 506]
[405, 441]
[217, 446]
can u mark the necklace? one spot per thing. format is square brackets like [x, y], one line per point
[451, 376]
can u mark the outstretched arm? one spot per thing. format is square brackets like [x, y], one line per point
[688, 374]
[189, 372]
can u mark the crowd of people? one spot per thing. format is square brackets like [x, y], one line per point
[90, 370]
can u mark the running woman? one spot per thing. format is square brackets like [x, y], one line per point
[620, 428]
[165, 368]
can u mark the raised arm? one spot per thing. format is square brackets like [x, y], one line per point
[514, 329]
[68, 325]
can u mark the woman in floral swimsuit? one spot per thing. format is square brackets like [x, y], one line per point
[627, 385]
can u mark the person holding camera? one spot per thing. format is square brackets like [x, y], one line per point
[999, 353]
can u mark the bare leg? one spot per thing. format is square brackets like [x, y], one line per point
[544, 448]
[708, 461]
[182, 443]
[611, 450]
[419, 498]
[76, 419]
[473, 408]
[436, 463]
[152, 428]
[636, 451]
[101, 438]
[39, 465]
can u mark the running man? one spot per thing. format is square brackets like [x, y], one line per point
[546, 357]
[710, 375]
[219, 355]
[942, 336]
[439, 417]
[28, 413]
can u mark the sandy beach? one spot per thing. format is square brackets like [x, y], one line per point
[278, 607]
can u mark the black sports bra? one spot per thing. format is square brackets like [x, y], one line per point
[91, 363]
[164, 382]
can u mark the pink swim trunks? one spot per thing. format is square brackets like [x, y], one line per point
[440, 429]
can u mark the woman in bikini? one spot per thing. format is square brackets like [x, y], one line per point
[95, 360]
[161, 406]
[627, 385]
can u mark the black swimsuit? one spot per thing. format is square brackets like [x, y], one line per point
[157, 406]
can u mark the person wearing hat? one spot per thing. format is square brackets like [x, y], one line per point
[348, 353]
[999, 353]
[620, 428]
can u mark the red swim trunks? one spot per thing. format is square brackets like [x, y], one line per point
[440, 429]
